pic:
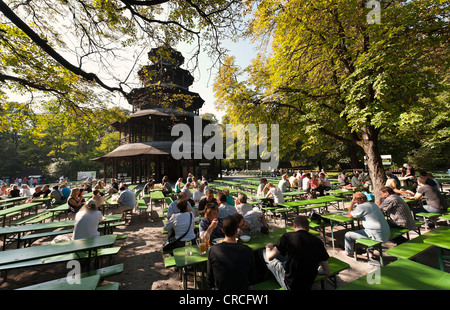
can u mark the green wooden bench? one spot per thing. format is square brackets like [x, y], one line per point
[101, 253]
[416, 246]
[369, 243]
[33, 237]
[101, 273]
[336, 266]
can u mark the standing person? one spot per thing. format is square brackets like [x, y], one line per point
[86, 221]
[372, 219]
[295, 259]
[435, 202]
[230, 265]
[397, 210]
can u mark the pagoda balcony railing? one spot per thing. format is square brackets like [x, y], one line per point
[147, 138]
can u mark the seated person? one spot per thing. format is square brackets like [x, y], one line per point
[343, 179]
[199, 193]
[372, 219]
[252, 222]
[57, 195]
[295, 259]
[173, 207]
[435, 202]
[230, 199]
[15, 191]
[210, 226]
[284, 185]
[275, 194]
[230, 264]
[262, 189]
[397, 210]
[86, 221]
[243, 206]
[224, 208]
[209, 198]
[182, 223]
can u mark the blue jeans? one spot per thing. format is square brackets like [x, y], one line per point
[350, 238]
[277, 267]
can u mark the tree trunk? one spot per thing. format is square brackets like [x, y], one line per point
[373, 159]
[352, 150]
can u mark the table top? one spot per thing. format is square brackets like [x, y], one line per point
[14, 199]
[47, 226]
[336, 217]
[183, 260]
[19, 208]
[40, 251]
[404, 274]
[86, 283]
[415, 246]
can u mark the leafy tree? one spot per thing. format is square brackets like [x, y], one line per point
[331, 74]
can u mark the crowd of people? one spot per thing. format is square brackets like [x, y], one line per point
[297, 257]
[294, 260]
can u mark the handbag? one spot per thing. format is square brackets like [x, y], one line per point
[170, 243]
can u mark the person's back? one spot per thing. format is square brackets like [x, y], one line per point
[232, 266]
[373, 221]
[86, 222]
[304, 253]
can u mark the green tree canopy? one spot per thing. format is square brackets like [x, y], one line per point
[331, 74]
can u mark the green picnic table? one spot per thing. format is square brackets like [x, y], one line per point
[441, 241]
[414, 247]
[403, 275]
[21, 230]
[49, 250]
[19, 208]
[184, 261]
[14, 200]
[337, 218]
